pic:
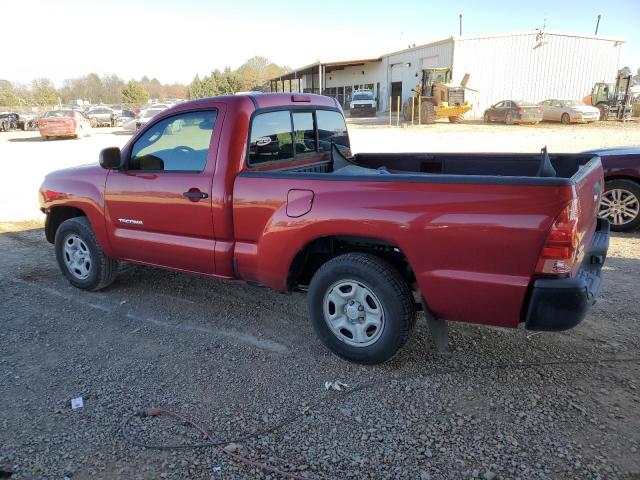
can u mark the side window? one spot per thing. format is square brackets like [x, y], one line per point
[303, 132]
[499, 105]
[271, 137]
[175, 144]
[331, 130]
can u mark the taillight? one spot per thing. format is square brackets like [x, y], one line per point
[540, 110]
[559, 252]
[521, 110]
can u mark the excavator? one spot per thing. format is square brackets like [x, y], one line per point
[436, 97]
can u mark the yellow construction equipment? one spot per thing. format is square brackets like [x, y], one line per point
[436, 96]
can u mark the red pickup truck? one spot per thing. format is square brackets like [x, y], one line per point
[264, 189]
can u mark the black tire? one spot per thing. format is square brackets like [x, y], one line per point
[633, 188]
[604, 111]
[428, 113]
[103, 270]
[487, 118]
[456, 118]
[565, 119]
[386, 284]
[509, 118]
[45, 138]
[406, 111]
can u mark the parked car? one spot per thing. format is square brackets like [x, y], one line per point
[101, 116]
[147, 115]
[568, 111]
[9, 121]
[126, 116]
[620, 202]
[363, 103]
[372, 238]
[28, 121]
[63, 123]
[513, 111]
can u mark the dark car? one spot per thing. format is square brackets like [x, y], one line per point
[9, 121]
[513, 111]
[620, 202]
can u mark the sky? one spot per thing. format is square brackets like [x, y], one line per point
[174, 40]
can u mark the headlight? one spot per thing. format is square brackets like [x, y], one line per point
[351, 105]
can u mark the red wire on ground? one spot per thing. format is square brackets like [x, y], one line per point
[155, 412]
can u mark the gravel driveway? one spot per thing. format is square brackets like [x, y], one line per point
[237, 358]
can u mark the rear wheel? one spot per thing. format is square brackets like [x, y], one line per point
[80, 256]
[486, 117]
[456, 118]
[361, 308]
[509, 119]
[620, 204]
[565, 119]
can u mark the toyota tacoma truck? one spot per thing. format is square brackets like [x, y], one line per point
[265, 189]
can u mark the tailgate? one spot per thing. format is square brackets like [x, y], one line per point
[589, 186]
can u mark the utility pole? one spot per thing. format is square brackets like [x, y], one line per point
[598, 24]
[460, 16]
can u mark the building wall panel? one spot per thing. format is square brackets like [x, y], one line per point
[526, 66]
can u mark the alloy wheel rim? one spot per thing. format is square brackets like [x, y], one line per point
[353, 313]
[77, 256]
[619, 206]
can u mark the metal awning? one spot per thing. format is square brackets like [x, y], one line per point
[326, 67]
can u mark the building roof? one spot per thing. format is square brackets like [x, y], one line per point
[328, 66]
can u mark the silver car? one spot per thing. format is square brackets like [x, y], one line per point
[568, 111]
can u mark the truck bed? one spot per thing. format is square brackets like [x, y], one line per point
[472, 226]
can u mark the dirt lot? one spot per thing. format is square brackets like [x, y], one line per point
[32, 158]
[504, 404]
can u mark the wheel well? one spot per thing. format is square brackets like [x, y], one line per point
[56, 216]
[308, 260]
[622, 177]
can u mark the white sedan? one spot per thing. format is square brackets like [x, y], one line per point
[142, 119]
[568, 111]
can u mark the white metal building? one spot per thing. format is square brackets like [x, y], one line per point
[531, 65]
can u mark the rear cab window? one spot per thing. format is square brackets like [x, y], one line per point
[284, 138]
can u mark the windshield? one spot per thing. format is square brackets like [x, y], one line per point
[572, 103]
[59, 113]
[363, 96]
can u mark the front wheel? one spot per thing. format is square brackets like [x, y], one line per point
[565, 119]
[620, 204]
[361, 308]
[80, 256]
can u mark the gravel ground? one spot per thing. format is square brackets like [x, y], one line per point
[502, 405]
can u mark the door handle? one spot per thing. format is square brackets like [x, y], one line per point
[195, 195]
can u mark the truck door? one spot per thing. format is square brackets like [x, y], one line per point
[158, 208]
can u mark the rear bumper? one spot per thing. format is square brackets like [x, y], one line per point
[562, 303]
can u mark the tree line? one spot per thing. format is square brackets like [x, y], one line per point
[111, 89]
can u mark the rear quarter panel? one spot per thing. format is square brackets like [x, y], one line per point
[473, 248]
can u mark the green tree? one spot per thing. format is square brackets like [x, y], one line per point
[44, 93]
[255, 73]
[8, 96]
[134, 94]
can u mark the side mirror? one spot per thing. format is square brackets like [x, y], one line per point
[110, 158]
